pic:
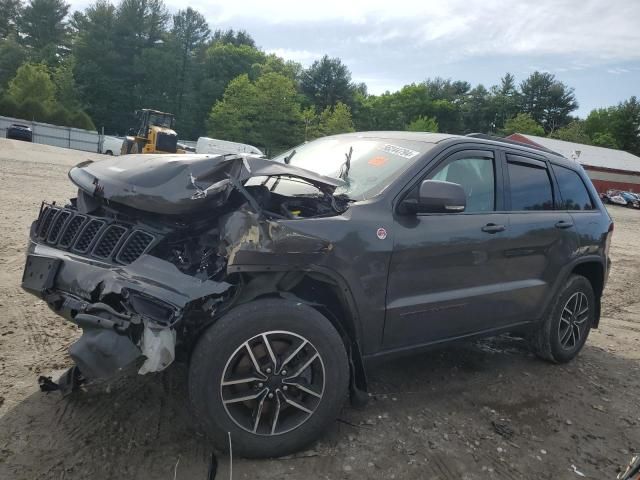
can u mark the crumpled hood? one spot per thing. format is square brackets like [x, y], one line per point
[179, 184]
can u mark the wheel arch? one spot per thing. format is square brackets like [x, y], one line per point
[324, 291]
[594, 271]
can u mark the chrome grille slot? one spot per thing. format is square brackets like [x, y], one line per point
[88, 235]
[137, 243]
[57, 225]
[72, 230]
[109, 241]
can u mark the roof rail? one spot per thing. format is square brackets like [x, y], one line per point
[484, 136]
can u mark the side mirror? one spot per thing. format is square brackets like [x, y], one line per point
[435, 196]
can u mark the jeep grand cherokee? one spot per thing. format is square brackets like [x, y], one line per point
[281, 281]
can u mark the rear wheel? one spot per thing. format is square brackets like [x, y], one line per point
[564, 332]
[272, 373]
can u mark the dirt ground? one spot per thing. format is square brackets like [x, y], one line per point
[481, 410]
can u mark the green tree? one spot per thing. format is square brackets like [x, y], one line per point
[617, 126]
[221, 63]
[574, 132]
[32, 109]
[423, 124]
[336, 120]
[477, 111]
[80, 119]
[278, 116]
[231, 37]
[331, 121]
[233, 117]
[439, 88]
[190, 31]
[504, 100]
[98, 67]
[547, 100]
[12, 55]
[522, 123]
[33, 82]
[58, 115]
[8, 107]
[10, 11]
[66, 88]
[274, 64]
[326, 82]
[265, 113]
[626, 126]
[604, 139]
[44, 30]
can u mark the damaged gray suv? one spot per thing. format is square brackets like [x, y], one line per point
[279, 281]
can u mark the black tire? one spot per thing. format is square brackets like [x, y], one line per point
[225, 341]
[550, 341]
[109, 152]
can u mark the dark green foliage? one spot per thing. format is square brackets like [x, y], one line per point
[10, 11]
[58, 116]
[44, 30]
[12, 55]
[265, 113]
[326, 82]
[522, 123]
[8, 107]
[81, 120]
[616, 127]
[547, 100]
[232, 37]
[32, 110]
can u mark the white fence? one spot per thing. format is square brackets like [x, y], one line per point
[66, 137]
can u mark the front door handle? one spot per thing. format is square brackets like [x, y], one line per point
[493, 228]
[564, 224]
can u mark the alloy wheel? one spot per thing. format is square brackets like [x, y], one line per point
[573, 321]
[273, 383]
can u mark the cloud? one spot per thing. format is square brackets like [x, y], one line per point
[592, 29]
[618, 70]
[304, 57]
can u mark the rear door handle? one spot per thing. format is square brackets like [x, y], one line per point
[564, 224]
[493, 228]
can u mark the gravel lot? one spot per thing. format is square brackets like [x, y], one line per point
[479, 410]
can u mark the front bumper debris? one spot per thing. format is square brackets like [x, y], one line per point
[154, 295]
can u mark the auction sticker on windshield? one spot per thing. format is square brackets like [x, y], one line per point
[399, 151]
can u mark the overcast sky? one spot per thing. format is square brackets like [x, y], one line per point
[591, 45]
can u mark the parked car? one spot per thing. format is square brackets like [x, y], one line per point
[631, 198]
[112, 145]
[280, 282]
[614, 197]
[213, 145]
[17, 131]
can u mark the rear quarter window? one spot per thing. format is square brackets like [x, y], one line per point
[573, 191]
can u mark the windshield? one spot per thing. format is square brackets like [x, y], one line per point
[160, 120]
[368, 165]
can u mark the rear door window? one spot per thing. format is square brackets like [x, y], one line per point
[530, 186]
[572, 190]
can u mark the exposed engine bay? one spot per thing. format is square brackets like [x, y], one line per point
[143, 258]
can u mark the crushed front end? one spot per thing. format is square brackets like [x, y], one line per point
[139, 258]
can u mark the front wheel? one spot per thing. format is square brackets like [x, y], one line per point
[272, 373]
[561, 336]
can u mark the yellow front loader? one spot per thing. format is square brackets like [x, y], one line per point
[155, 134]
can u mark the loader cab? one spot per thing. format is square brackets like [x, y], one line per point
[154, 134]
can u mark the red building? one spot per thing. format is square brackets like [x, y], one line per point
[607, 168]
